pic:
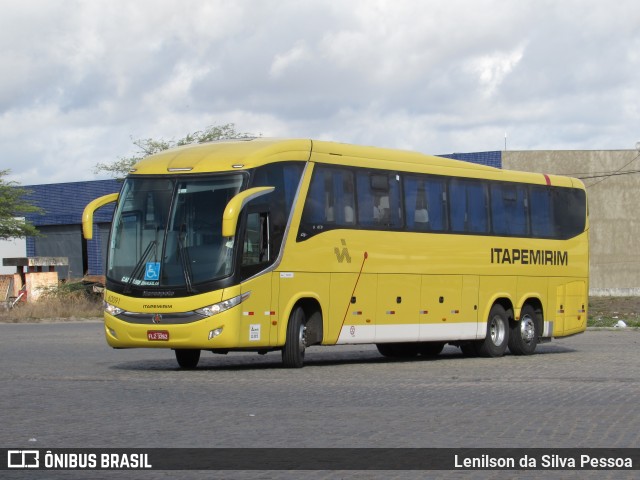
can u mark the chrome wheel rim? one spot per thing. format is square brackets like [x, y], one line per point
[301, 337]
[527, 329]
[497, 330]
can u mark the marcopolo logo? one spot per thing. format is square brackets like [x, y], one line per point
[23, 459]
[342, 255]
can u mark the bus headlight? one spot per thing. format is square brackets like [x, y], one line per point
[112, 309]
[223, 306]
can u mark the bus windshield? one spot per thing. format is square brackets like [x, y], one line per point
[167, 232]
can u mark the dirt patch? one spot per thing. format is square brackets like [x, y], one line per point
[607, 311]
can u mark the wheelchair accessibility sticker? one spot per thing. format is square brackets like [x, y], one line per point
[152, 271]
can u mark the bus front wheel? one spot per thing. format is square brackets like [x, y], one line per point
[497, 339]
[187, 358]
[295, 344]
[523, 337]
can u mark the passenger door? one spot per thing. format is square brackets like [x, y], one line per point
[257, 314]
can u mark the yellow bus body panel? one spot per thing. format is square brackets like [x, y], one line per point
[371, 286]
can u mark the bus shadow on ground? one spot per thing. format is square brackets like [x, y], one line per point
[318, 357]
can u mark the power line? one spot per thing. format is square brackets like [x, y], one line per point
[608, 174]
[616, 172]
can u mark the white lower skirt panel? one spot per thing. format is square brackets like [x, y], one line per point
[412, 332]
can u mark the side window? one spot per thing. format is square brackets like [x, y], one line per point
[541, 212]
[285, 177]
[379, 199]
[569, 211]
[468, 206]
[256, 244]
[330, 201]
[255, 249]
[425, 203]
[509, 209]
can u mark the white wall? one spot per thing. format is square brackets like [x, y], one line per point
[11, 249]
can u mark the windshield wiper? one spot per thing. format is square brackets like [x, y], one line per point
[185, 262]
[137, 269]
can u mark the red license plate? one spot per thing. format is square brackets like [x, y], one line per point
[157, 335]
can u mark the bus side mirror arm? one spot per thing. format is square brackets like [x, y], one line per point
[87, 214]
[234, 207]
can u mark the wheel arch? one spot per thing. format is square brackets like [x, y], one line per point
[310, 304]
[501, 299]
[535, 303]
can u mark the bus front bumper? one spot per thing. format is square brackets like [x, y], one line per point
[217, 332]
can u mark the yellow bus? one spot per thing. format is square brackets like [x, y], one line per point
[263, 245]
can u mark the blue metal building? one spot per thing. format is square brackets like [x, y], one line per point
[61, 225]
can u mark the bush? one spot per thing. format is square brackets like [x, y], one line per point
[70, 300]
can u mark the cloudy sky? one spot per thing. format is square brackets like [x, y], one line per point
[80, 79]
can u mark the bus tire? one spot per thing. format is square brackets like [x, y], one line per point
[430, 349]
[523, 337]
[187, 358]
[295, 343]
[497, 339]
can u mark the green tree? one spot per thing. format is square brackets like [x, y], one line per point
[150, 146]
[14, 205]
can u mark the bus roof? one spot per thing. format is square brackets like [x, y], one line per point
[223, 156]
[229, 155]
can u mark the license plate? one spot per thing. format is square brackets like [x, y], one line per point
[157, 335]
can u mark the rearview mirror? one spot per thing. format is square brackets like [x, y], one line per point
[234, 207]
[87, 214]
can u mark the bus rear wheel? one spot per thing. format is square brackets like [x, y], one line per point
[295, 343]
[497, 339]
[523, 337]
[187, 358]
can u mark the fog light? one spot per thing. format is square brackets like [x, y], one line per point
[215, 333]
[112, 332]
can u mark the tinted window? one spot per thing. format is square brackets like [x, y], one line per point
[468, 206]
[540, 207]
[372, 199]
[425, 203]
[378, 199]
[285, 177]
[331, 199]
[569, 207]
[509, 212]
